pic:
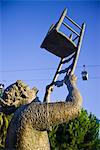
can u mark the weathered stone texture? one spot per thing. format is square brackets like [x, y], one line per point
[27, 130]
[17, 94]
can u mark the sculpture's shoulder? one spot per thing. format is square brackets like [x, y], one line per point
[24, 111]
[18, 115]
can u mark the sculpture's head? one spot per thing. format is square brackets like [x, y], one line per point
[18, 93]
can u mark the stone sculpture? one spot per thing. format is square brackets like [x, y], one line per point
[27, 130]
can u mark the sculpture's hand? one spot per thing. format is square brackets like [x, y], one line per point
[70, 79]
[49, 88]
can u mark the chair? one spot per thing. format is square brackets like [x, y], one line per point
[62, 45]
[58, 42]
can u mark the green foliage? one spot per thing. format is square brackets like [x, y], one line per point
[81, 133]
[1, 92]
[4, 122]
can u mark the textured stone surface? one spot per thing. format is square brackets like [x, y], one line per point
[17, 94]
[41, 116]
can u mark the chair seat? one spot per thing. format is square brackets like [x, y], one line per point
[59, 44]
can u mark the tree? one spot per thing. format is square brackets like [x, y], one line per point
[81, 133]
[1, 89]
[4, 122]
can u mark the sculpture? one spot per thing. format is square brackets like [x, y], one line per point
[31, 118]
[29, 125]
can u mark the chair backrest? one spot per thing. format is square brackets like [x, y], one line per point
[75, 35]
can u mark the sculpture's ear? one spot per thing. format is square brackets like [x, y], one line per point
[35, 90]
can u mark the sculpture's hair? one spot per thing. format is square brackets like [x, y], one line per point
[40, 117]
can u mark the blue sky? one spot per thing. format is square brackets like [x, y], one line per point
[23, 26]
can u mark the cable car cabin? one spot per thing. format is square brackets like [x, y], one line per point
[60, 44]
[84, 75]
